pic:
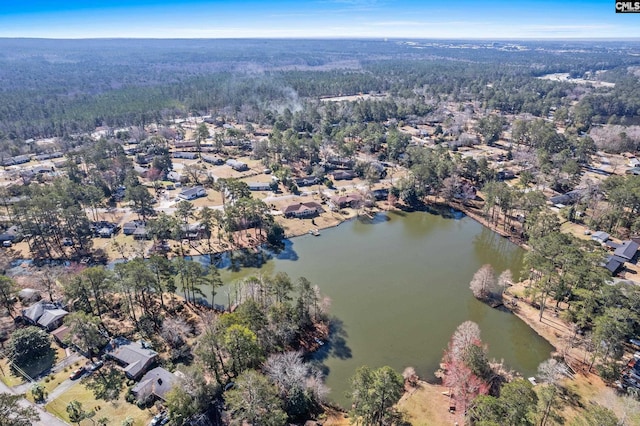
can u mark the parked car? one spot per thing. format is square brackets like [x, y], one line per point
[94, 366]
[160, 419]
[77, 373]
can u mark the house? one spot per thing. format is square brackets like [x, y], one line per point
[52, 318]
[341, 162]
[194, 231]
[212, 159]
[381, 194]
[184, 144]
[129, 228]
[569, 198]
[236, 165]
[307, 181]
[106, 232]
[259, 186]
[343, 175]
[19, 159]
[192, 193]
[133, 356]
[627, 250]
[308, 209]
[104, 229]
[60, 335]
[156, 383]
[185, 155]
[600, 237]
[349, 200]
[29, 295]
[48, 156]
[613, 264]
[505, 175]
[174, 176]
[141, 233]
[47, 315]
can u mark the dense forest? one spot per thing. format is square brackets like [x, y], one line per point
[63, 87]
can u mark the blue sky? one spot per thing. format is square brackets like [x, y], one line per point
[316, 18]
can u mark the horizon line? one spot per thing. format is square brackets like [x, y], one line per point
[538, 38]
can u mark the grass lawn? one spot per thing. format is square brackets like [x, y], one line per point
[116, 411]
[7, 377]
[55, 379]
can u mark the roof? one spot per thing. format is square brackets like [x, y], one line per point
[61, 332]
[132, 354]
[302, 207]
[613, 263]
[34, 312]
[600, 235]
[187, 192]
[346, 199]
[51, 316]
[627, 249]
[29, 294]
[156, 382]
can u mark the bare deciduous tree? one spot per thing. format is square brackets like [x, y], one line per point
[505, 279]
[483, 283]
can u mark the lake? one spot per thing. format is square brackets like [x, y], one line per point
[399, 286]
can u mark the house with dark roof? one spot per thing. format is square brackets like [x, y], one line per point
[185, 155]
[627, 250]
[569, 198]
[343, 175]
[130, 227]
[133, 356]
[613, 264]
[155, 384]
[308, 209]
[348, 200]
[306, 181]
[192, 193]
[212, 159]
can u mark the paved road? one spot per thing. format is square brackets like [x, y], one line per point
[46, 419]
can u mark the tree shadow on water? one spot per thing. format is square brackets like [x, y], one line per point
[336, 346]
[286, 252]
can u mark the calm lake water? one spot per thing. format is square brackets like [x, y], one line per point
[399, 287]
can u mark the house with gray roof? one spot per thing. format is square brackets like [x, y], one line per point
[156, 383]
[189, 194]
[627, 250]
[238, 166]
[133, 356]
[600, 237]
[52, 318]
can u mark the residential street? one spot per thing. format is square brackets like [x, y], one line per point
[46, 419]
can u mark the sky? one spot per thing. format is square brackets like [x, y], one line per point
[458, 19]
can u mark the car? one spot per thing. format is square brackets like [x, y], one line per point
[634, 342]
[77, 373]
[94, 366]
[159, 419]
